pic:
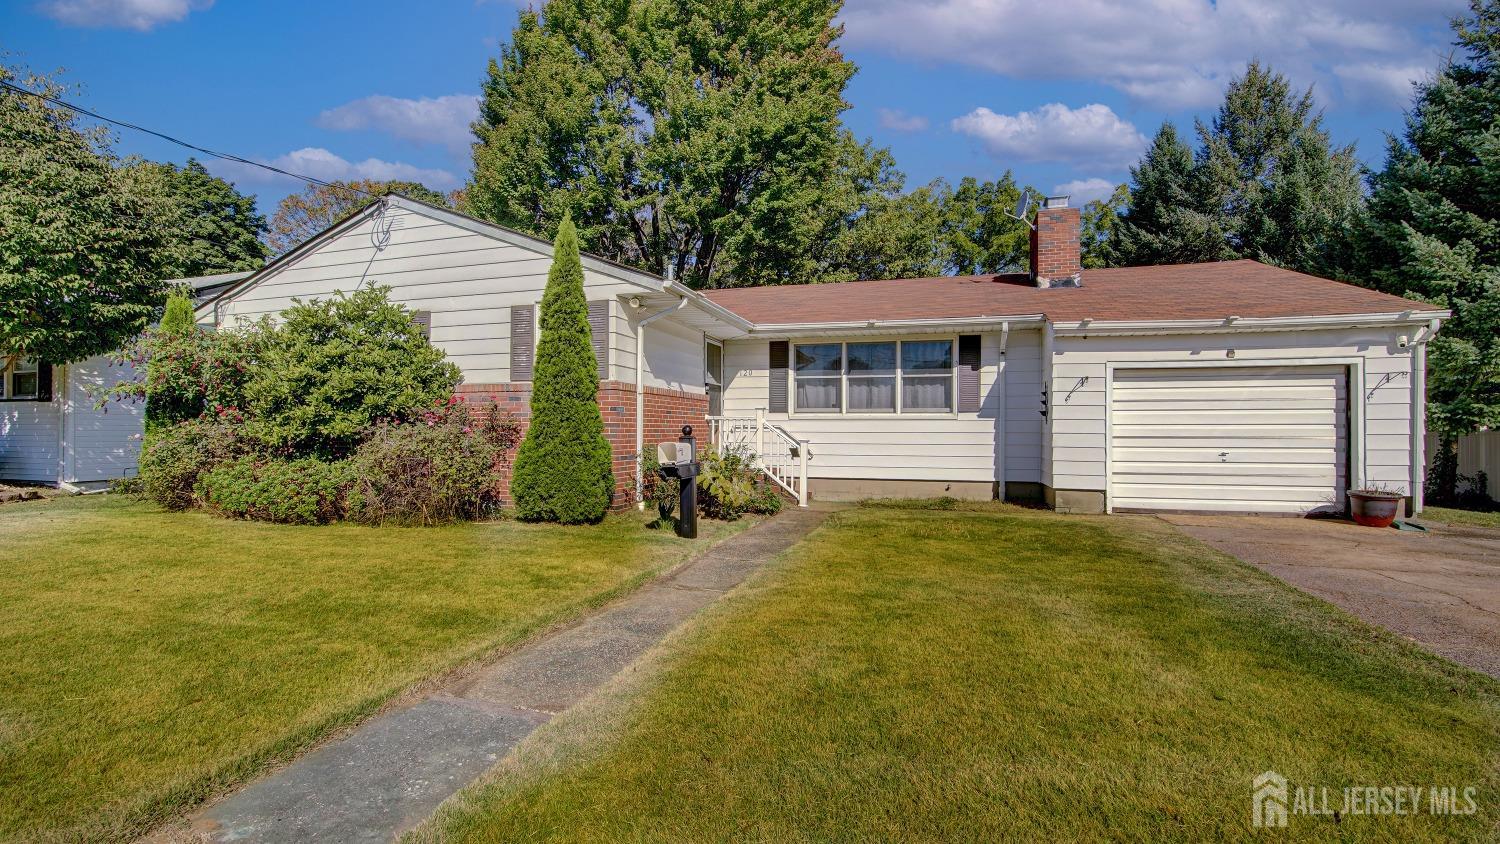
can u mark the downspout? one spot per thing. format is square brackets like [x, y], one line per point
[640, 392]
[1419, 419]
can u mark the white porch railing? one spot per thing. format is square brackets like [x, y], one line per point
[781, 456]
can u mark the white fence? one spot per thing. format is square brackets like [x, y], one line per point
[1476, 453]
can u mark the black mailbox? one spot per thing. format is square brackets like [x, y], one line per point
[679, 460]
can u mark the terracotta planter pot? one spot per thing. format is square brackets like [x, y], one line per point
[1373, 510]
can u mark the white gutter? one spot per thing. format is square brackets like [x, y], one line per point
[640, 392]
[1296, 323]
[946, 323]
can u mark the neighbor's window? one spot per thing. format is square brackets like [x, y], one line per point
[22, 380]
[820, 369]
[927, 375]
[909, 376]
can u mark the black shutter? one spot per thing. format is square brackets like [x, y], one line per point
[522, 341]
[968, 373]
[423, 321]
[599, 335]
[780, 353]
[43, 381]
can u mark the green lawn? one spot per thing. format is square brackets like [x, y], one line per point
[151, 658]
[994, 674]
[1470, 518]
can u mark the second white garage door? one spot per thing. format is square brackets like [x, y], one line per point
[1250, 439]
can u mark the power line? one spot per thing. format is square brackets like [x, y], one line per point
[220, 155]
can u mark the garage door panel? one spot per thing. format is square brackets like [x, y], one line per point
[1219, 492]
[1178, 417]
[1211, 454]
[1302, 472]
[1217, 438]
[1241, 439]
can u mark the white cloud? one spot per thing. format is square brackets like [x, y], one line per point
[1084, 191]
[429, 120]
[140, 15]
[1170, 53]
[1381, 84]
[1092, 135]
[900, 121]
[319, 163]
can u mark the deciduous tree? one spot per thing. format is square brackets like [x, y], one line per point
[300, 216]
[78, 269]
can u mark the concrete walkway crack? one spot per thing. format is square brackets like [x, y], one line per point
[390, 773]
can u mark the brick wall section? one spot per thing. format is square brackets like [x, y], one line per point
[1055, 248]
[666, 411]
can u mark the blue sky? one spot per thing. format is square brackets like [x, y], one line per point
[1062, 92]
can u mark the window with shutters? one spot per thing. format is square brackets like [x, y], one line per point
[875, 377]
[21, 380]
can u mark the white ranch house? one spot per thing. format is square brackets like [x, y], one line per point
[1235, 386]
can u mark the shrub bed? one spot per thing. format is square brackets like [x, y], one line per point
[298, 492]
[442, 467]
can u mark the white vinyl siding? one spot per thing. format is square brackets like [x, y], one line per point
[1255, 439]
[928, 446]
[29, 439]
[1381, 423]
[100, 444]
[468, 282]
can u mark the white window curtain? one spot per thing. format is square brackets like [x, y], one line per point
[872, 377]
[927, 375]
[819, 375]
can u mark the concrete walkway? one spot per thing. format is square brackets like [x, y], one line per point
[392, 772]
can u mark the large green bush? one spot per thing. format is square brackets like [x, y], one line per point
[440, 467]
[334, 367]
[562, 469]
[174, 458]
[300, 492]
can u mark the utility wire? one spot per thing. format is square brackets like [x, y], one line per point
[220, 155]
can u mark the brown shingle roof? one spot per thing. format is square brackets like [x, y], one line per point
[1183, 291]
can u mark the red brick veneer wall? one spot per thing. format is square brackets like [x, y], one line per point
[666, 411]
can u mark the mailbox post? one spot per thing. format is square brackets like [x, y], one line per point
[680, 460]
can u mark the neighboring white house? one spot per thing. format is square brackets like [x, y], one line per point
[1231, 386]
[51, 430]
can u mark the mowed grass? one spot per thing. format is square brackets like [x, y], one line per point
[992, 675]
[1469, 518]
[152, 658]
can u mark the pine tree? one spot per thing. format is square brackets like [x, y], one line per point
[562, 470]
[1267, 166]
[1266, 183]
[1166, 222]
[1433, 232]
[178, 317]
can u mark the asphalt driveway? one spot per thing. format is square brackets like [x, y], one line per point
[1441, 589]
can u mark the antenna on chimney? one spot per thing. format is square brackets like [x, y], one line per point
[1023, 207]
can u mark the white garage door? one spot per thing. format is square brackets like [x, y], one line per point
[1252, 439]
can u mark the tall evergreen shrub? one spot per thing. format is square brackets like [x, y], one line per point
[562, 470]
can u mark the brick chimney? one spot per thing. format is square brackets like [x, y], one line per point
[1056, 260]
